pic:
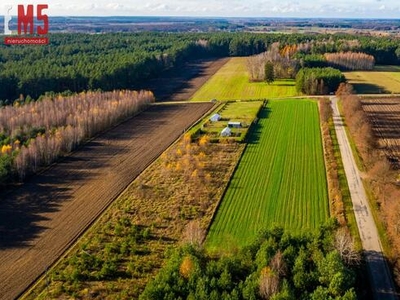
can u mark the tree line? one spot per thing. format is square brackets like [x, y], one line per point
[35, 134]
[79, 62]
[313, 71]
[380, 175]
[342, 60]
[350, 60]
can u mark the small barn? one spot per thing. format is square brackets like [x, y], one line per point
[234, 125]
[226, 132]
[215, 118]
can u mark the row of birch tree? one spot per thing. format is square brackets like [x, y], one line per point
[36, 134]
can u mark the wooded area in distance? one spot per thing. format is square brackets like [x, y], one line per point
[79, 62]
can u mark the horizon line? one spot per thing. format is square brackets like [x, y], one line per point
[222, 17]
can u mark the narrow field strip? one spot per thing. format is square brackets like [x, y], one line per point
[280, 179]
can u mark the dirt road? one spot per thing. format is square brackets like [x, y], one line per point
[380, 276]
[42, 218]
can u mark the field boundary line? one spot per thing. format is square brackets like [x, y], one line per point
[214, 213]
[328, 179]
[74, 242]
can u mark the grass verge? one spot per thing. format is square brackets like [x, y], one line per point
[344, 188]
[357, 156]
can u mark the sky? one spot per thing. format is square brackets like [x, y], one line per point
[221, 8]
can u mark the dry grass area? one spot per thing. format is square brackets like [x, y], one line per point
[42, 218]
[126, 247]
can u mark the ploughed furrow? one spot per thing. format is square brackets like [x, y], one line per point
[43, 217]
[384, 114]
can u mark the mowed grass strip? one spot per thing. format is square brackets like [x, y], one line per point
[243, 110]
[383, 79]
[280, 179]
[231, 82]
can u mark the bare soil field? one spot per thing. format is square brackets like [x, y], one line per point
[180, 84]
[42, 218]
[385, 116]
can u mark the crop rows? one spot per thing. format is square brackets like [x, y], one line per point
[280, 178]
[385, 118]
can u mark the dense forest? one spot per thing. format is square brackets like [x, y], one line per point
[79, 62]
[318, 81]
[278, 265]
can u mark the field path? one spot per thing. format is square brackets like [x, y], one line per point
[381, 279]
[45, 216]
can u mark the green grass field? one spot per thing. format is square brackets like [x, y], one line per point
[235, 111]
[280, 178]
[383, 79]
[231, 82]
[243, 111]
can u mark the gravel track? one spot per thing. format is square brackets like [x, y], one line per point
[381, 280]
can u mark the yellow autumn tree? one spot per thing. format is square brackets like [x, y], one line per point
[187, 267]
[204, 141]
[6, 149]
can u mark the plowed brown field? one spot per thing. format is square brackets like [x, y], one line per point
[179, 84]
[385, 116]
[42, 218]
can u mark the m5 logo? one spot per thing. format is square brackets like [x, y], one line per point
[26, 24]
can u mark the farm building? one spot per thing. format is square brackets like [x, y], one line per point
[215, 118]
[226, 132]
[234, 124]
